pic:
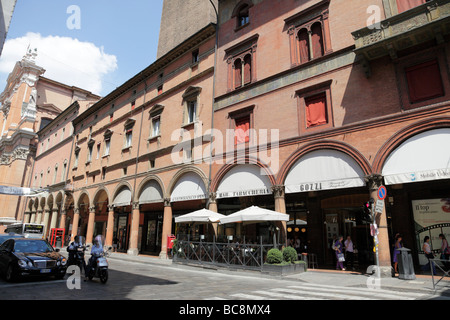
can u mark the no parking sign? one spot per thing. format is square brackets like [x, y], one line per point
[382, 192]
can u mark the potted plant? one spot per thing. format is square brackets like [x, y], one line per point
[283, 262]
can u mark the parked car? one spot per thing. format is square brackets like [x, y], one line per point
[4, 237]
[20, 257]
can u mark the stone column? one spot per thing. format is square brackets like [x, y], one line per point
[33, 217]
[134, 234]
[90, 228]
[76, 221]
[27, 217]
[213, 207]
[45, 221]
[384, 255]
[110, 226]
[39, 216]
[54, 218]
[280, 206]
[167, 227]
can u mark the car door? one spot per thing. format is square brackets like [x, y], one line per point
[5, 253]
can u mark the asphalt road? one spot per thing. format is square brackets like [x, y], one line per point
[141, 281]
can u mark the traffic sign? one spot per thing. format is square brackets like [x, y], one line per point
[382, 192]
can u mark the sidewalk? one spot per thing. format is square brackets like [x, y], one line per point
[422, 283]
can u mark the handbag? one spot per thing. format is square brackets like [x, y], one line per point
[341, 257]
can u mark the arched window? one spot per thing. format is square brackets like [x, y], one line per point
[237, 73]
[317, 40]
[247, 69]
[303, 45]
[243, 16]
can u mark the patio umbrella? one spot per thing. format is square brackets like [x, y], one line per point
[203, 216]
[254, 214]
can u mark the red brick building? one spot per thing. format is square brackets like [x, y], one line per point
[355, 103]
[312, 106]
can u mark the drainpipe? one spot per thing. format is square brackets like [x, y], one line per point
[213, 100]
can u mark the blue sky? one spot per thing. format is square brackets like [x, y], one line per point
[115, 40]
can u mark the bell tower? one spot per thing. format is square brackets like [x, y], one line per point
[181, 19]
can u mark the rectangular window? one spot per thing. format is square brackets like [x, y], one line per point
[403, 5]
[156, 121]
[424, 81]
[107, 146]
[241, 131]
[316, 110]
[128, 137]
[89, 158]
[191, 111]
[75, 163]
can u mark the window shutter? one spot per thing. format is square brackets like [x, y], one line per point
[316, 110]
[424, 81]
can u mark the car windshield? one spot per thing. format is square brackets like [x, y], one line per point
[32, 246]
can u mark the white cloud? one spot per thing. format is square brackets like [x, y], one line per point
[65, 59]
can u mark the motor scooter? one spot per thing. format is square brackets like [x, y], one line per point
[98, 264]
[76, 253]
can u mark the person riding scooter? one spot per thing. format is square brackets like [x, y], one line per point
[76, 252]
[97, 249]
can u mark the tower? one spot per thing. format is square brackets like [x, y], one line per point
[181, 19]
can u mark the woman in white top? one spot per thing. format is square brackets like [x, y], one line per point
[428, 253]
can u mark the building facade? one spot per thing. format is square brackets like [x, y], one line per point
[29, 102]
[306, 108]
[352, 105]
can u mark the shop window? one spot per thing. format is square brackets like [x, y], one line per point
[424, 81]
[315, 109]
[309, 33]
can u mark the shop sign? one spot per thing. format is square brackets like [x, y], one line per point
[243, 193]
[428, 175]
[325, 185]
[188, 198]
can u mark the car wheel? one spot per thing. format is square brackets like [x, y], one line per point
[10, 276]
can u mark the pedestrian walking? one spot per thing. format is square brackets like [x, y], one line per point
[445, 251]
[349, 253]
[398, 244]
[429, 254]
[339, 249]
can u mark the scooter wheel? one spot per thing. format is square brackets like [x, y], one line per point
[103, 276]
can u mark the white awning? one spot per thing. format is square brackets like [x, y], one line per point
[203, 215]
[151, 193]
[123, 198]
[423, 157]
[255, 214]
[324, 170]
[189, 187]
[244, 180]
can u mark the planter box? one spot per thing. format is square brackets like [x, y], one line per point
[284, 270]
